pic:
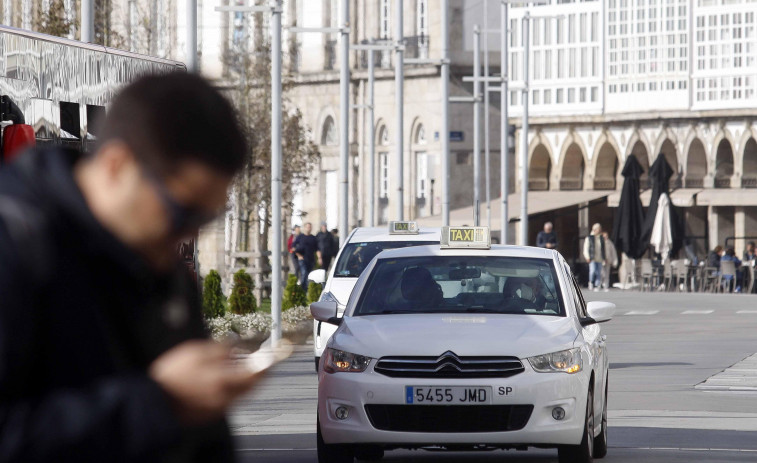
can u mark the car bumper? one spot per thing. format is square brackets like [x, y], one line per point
[543, 391]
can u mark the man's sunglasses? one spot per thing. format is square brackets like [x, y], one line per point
[183, 218]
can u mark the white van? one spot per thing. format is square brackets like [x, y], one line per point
[362, 245]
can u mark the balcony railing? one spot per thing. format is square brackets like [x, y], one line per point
[571, 184]
[604, 184]
[538, 184]
[748, 182]
[694, 183]
[724, 182]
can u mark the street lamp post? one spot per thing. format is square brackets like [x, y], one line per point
[274, 8]
[523, 155]
[399, 78]
[476, 125]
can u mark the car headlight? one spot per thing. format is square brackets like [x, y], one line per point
[565, 361]
[339, 360]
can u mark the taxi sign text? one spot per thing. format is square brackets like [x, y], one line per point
[465, 237]
[403, 228]
[465, 234]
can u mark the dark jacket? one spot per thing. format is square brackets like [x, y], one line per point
[81, 319]
[306, 246]
[543, 238]
[326, 244]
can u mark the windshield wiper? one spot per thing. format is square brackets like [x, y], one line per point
[480, 310]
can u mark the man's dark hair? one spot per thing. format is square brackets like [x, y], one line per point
[730, 252]
[169, 119]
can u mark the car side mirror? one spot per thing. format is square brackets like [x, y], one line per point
[325, 311]
[317, 276]
[600, 311]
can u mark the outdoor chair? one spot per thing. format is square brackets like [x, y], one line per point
[709, 279]
[647, 274]
[632, 273]
[727, 268]
[680, 275]
[667, 275]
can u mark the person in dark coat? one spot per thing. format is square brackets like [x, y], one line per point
[546, 238]
[103, 350]
[326, 248]
[305, 247]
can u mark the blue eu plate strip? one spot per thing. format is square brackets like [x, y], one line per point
[408, 394]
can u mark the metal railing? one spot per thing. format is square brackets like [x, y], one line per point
[604, 184]
[694, 182]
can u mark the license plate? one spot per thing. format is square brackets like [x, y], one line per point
[448, 395]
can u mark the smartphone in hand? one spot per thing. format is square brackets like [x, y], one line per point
[268, 356]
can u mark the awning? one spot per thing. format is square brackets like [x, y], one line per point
[538, 202]
[727, 197]
[682, 197]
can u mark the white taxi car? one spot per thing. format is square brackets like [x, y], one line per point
[362, 245]
[464, 346]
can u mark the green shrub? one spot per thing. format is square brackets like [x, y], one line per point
[242, 301]
[213, 300]
[294, 296]
[314, 292]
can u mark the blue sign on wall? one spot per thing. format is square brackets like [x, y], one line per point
[456, 135]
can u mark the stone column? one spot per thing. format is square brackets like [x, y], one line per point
[740, 230]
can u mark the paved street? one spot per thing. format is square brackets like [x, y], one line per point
[682, 388]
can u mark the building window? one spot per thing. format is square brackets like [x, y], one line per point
[559, 96]
[547, 96]
[422, 174]
[328, 133]
[422, 18]
[383, 175]
[385, 14]
[571, 95]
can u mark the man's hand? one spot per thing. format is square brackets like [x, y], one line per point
[201, 380]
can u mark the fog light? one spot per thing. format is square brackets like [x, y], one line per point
[341, 413]
[558, 413]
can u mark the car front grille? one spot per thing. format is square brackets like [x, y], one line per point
[448, 418]
[449, 365]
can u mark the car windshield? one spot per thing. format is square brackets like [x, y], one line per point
[462, 284]
[356, 256]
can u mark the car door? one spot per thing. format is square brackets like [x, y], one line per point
[592, 335]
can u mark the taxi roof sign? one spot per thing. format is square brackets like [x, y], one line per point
[403, 228]
[465, 237]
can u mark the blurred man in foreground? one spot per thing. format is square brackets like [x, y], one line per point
[103, 355]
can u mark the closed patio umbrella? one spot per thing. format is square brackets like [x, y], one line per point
[662, 233]
[629, 216]
[659, 176]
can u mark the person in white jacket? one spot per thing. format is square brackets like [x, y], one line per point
[612, 261]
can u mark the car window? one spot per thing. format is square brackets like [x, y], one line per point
[356, 256]
[462, 284]
[580, 302]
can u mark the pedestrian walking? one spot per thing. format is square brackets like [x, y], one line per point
[326, 247]
[292, 255]
[612, 261]
[595, 253]
[103, 349]
[547, 238]
[305, 248]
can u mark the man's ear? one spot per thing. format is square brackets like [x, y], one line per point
[116, 159]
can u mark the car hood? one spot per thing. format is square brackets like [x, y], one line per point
[464, 334]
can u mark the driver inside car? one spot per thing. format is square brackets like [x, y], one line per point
[525, 293]
[419, 288]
